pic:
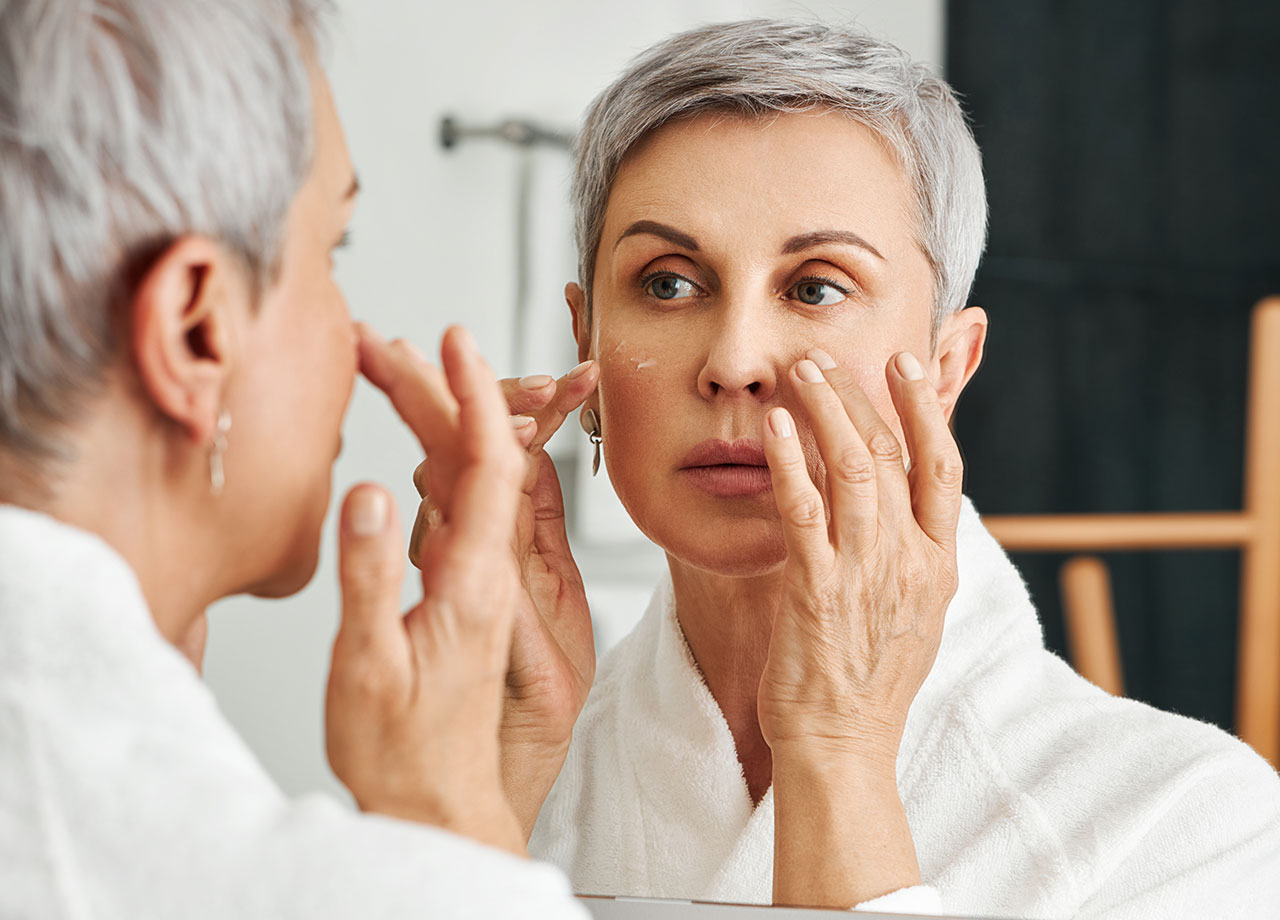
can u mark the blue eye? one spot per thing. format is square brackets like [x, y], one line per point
[669, 287]
[818, 292]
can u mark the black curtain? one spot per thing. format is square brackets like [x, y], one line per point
[1132, 157]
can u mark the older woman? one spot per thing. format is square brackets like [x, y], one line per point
[840, 696]
[173, 181]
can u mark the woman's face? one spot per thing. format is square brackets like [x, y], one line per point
[731, 246]
[292, 389]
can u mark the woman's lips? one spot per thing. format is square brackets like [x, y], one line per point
[729, 480]
[727, 469]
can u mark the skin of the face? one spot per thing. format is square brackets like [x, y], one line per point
[296, 372]
[696, 337]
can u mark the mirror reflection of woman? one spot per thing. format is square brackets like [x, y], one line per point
[840, 696]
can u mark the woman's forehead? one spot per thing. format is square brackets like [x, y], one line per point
[777, 176]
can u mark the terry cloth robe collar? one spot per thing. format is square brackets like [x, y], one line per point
[125, 793]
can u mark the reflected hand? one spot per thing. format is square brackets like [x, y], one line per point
[871, 568]
[553, 653]
[414, 700]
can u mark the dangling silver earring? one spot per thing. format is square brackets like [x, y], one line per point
[591, 425]
[217, 476]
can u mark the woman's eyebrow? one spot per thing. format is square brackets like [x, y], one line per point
[653, 228]
[822, 237]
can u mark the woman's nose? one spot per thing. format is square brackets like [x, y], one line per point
[740, 358]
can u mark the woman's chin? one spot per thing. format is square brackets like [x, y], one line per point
[737, 538]
[745, 549]
[290, 564]
[291, 577]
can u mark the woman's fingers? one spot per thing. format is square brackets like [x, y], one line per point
[429, 518]
[526, 430]
[420, 473]
[370, 570]
[550, 533]
[434, 489]
[483, 506]
[851, 470]
[527, 395]
[800, 506]
[892, 490]
[937, 471]
[549, 402]
[417, 390]
[572, 390]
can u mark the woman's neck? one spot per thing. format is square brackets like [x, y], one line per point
[117, 489]
[727, 622]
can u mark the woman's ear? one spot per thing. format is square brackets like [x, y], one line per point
[961, 341]
[576, 298]
[181, 331]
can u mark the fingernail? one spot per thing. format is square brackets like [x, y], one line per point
[520, 421]
[536, 381]
[780, 422]
[368, 514]
[580, 369]
[909, 367]
[807, 371]
[822, 359]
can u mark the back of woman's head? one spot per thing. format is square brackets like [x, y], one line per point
[758, 67]
[125, 124]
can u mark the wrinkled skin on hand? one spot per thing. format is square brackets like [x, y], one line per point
[552, 661]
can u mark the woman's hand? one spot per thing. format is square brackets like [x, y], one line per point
[870, 571]
[553, 653]
[414, 700]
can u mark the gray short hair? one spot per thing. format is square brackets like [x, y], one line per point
[761, 66]
[125, 124]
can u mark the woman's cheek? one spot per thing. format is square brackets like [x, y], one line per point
[629, 391]
[868, 373]
[630, 373]
[638, 450]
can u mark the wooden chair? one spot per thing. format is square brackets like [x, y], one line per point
[1254, 531]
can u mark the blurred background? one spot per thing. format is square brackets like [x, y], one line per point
[1132, 157]
[1132, 169]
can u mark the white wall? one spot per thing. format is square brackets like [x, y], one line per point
[433, 243]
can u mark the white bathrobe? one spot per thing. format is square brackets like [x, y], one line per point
[1030, 792]
[125, 794]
